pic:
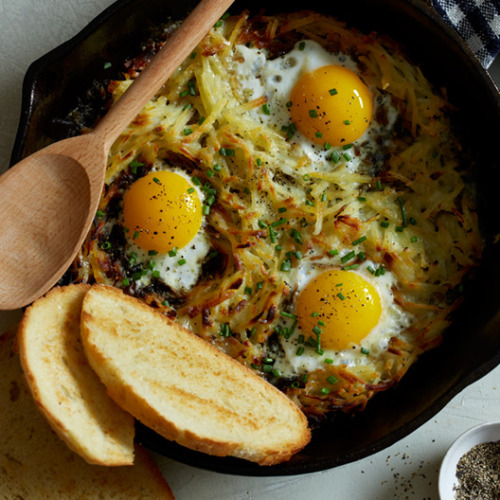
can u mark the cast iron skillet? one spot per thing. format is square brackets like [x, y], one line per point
[55, 83]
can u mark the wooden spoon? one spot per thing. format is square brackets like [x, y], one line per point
[49, 199]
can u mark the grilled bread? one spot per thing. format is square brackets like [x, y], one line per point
[36, 465]
[183, 387]
[63, 385]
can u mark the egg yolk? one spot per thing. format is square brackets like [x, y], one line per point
[331, 105]
[161, 211]
[341, 305]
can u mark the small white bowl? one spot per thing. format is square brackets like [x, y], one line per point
[482, 433]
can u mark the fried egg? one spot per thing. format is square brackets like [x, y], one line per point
[343, 317]
[162, 214]
[318, 99]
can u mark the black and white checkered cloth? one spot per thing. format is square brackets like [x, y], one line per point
[477, 21]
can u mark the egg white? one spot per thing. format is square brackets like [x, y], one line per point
[392, 322]
[275, 78]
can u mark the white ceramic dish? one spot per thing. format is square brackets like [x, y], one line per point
[482, 433]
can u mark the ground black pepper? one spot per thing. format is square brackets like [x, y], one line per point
[478, 473]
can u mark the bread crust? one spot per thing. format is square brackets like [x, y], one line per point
[206, 401]
[64, 387]
[36, 464]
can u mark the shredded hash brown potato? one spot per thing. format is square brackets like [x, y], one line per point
[429, 239]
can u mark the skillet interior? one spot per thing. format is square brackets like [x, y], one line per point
[472, 345]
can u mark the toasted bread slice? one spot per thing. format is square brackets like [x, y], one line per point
[183, 387]
[64, 386]
[36, 465]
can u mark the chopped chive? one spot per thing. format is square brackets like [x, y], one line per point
[314, 314]
[156, 274]
[155, 179]
[412, 221]
[300, 351]
[193, 55]
[99, 214]
[298, 255]
[327, 146]
[328, 361]
[266, 109]
[289, 104]
[333, 92]
[333, 252]
[385, 224]
[165, 303]
[188, 131]
[309, 203]
[184, 93]
[218, 24]
[201, 121]
[259, 285]
[403, 211]
[286, 265]
[399, 229]
[361, 256]
[153, 252]
[279, 222]
[181, 262]
[196, 181]
[351, 267]
[106, 245]
[414, 239]
[259, 162]
[319, 135]
[347, 157]
[358, 241]
[288, 315]
[262, 224]
[205, 210]
[370, 269]
[348, 256]
[365, 351]
[341, 296]
[248, 290]
[125, 282]
[302, 45]
[378, 185]
[296, 236]
[324, 390]
[317, 330]
[306, 177]
[361, 198]
[217, 167]
[331, 379]
[173, 252]
[278, 248]
[187, 106]
[210, 173]
[136, 235]
[313, 113]
[335, 157]
[282, 210]
[226, 152]
[346, 122]
[272, 235]
[321, 323]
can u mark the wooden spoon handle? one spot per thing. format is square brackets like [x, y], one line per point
[167, 60]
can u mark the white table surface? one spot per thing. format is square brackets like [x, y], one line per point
[407, 470]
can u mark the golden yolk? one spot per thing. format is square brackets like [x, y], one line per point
[162, 210]
[331, 105]
[342, 304]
